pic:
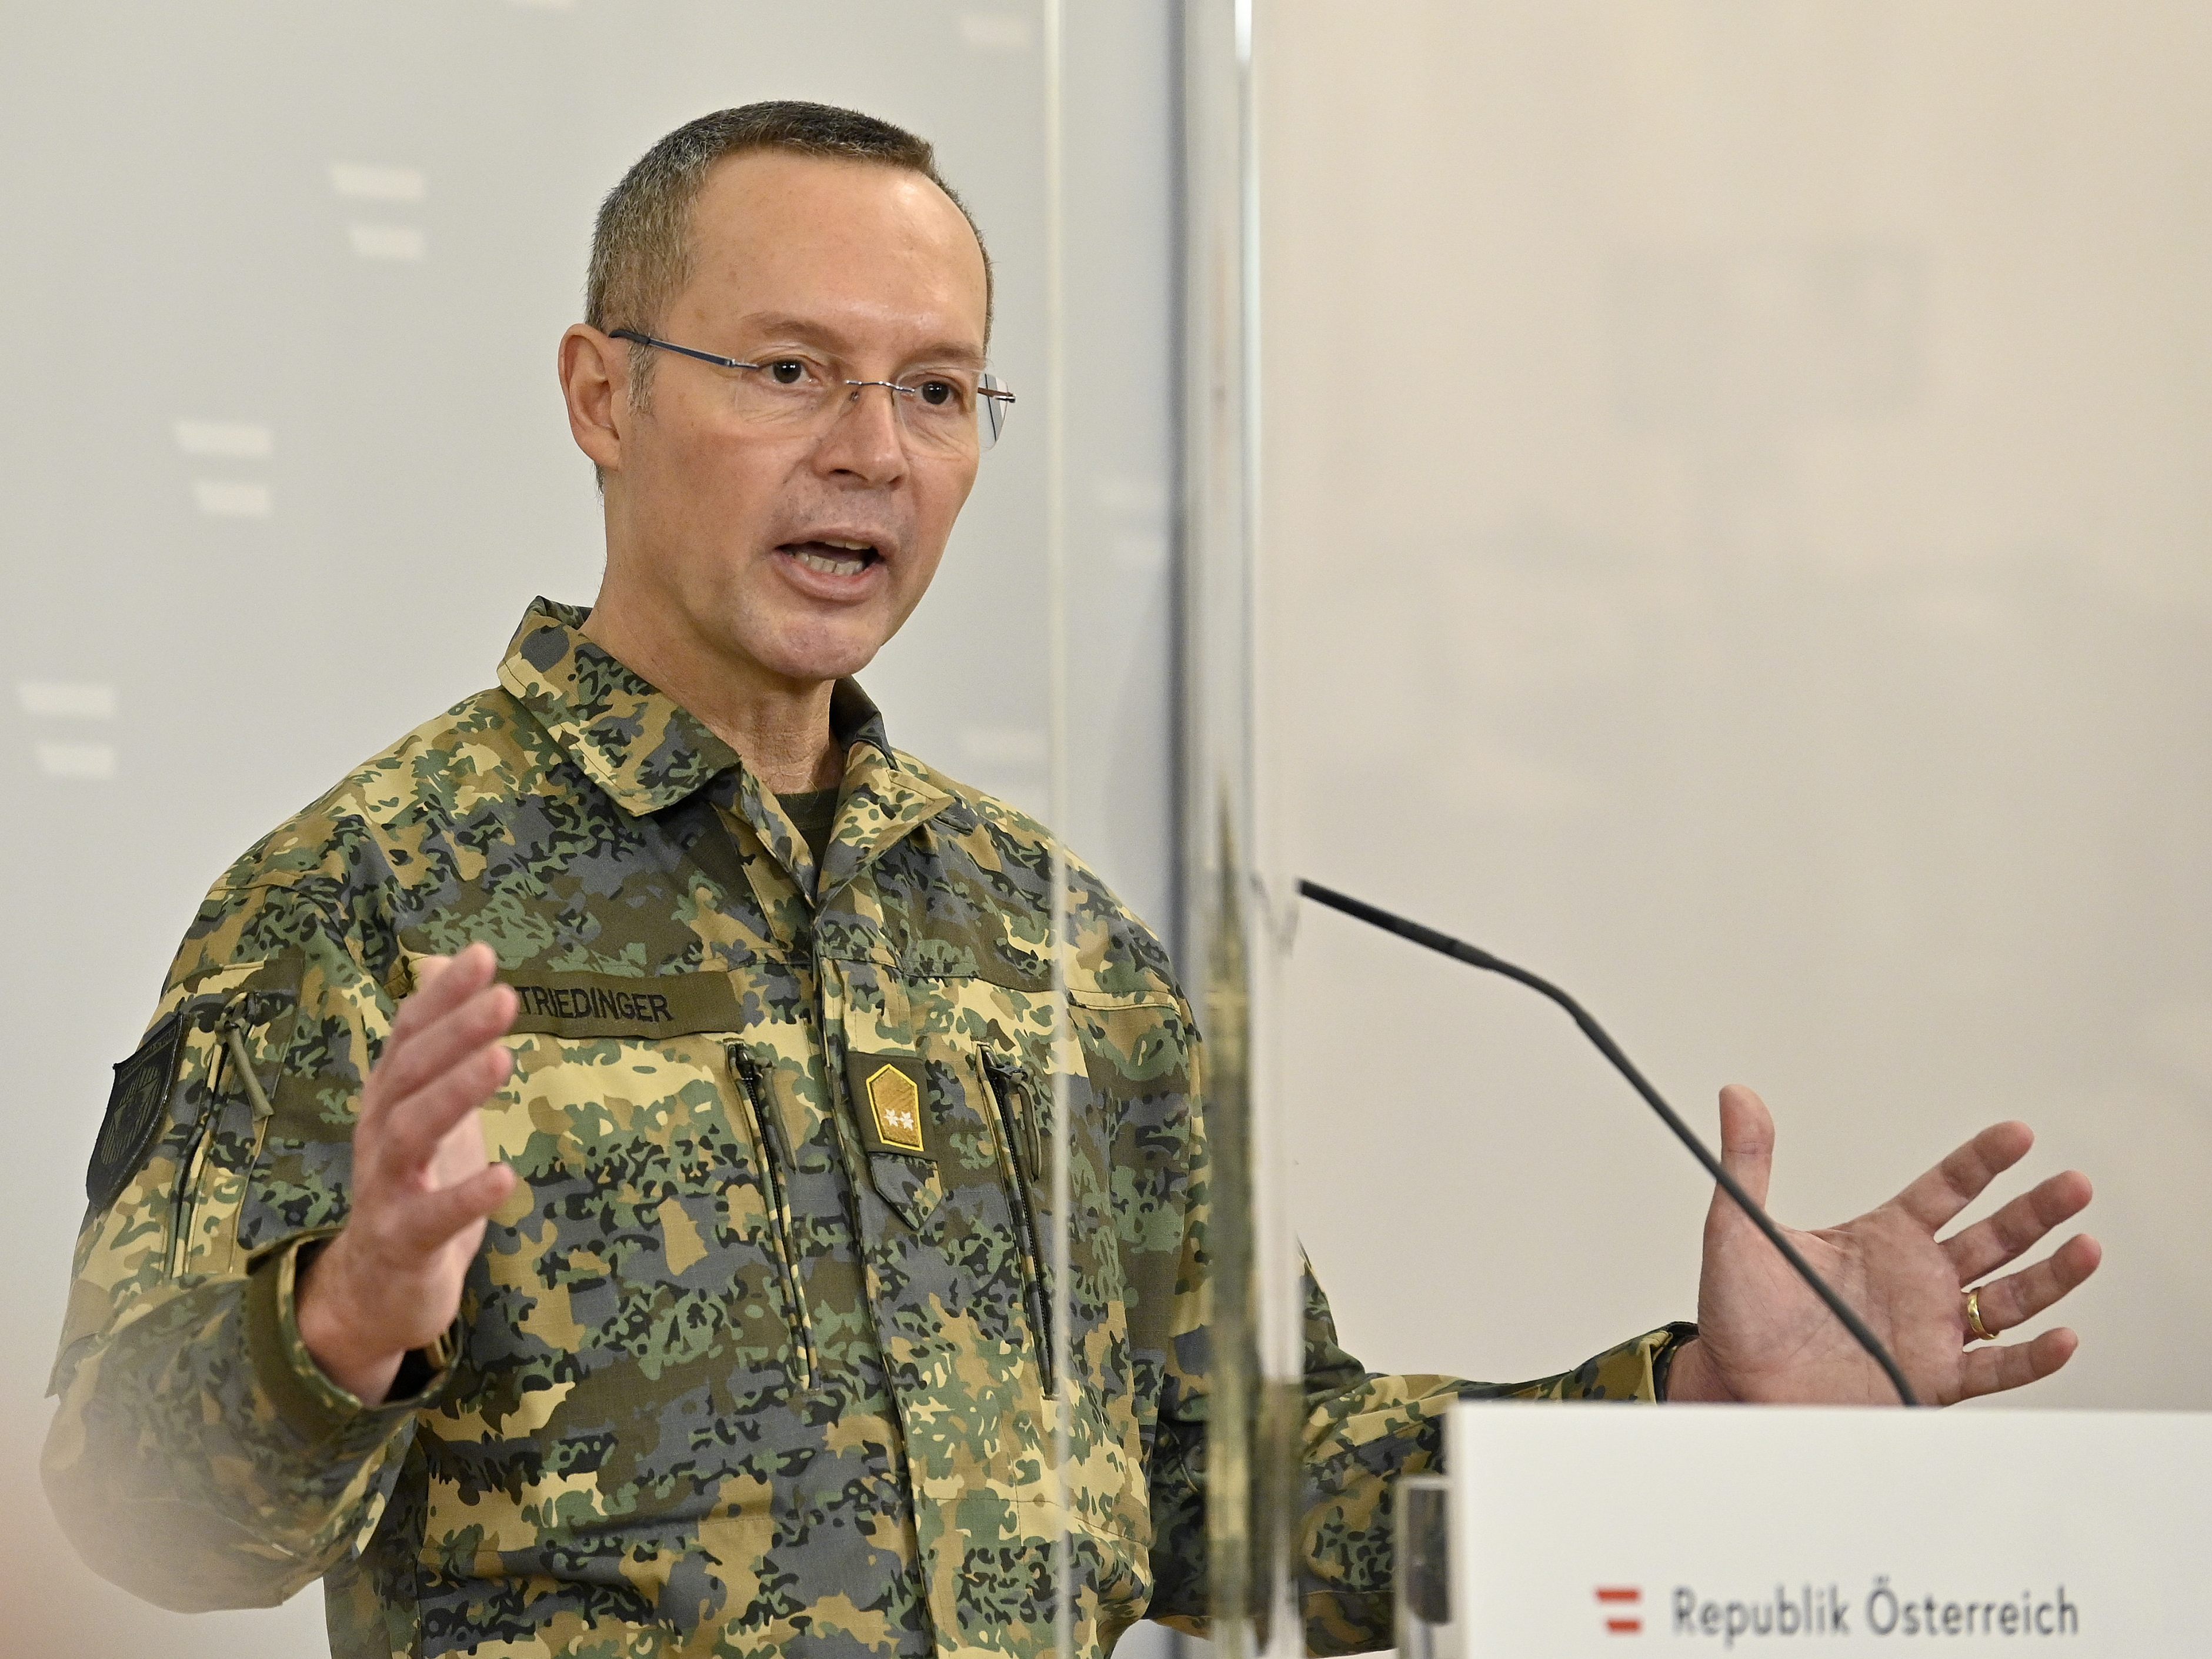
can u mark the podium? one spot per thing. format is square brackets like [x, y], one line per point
[1569, 1530]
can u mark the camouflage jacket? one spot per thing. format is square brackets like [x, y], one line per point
[754, 1361]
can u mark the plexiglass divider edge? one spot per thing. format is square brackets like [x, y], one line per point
[1237, 898]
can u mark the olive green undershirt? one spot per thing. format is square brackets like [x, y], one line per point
[813, 813]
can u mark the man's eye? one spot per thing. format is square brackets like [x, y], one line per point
[939, 394]
[787, 371]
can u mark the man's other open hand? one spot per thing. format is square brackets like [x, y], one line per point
[1764, 1336]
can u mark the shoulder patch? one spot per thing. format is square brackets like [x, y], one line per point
[135, 1110]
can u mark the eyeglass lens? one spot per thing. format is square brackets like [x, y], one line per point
[945, 412]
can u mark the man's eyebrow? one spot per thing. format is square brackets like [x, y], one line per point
[948, 354]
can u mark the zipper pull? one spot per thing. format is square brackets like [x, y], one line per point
[1022, 1108]
[1033, 1127]
[1040, 1141]
[1013, 1122]
[764, 1112]
[233, 1035]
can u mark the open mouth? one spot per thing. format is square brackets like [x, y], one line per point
[835, 557]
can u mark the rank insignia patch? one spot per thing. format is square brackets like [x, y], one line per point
[887, 1089]
[137, 1111]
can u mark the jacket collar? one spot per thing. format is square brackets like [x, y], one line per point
[648, 753]
[630, 740]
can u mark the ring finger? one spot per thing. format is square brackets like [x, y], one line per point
[2018, 1297]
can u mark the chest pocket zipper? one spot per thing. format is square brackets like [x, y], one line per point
[188, 1181]
[1017, 1164]
[775, 1163]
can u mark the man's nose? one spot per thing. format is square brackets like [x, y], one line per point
[867, 434]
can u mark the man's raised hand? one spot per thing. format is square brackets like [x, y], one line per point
[1763, 1336]
[423, 1188]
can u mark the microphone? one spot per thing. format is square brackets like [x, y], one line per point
[1475, 957]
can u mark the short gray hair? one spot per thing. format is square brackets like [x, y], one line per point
[642, 243]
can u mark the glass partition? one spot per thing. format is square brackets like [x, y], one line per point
[1240, 902]
[297, 464]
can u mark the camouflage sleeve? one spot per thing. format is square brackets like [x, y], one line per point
[1361, 1431]
[199, 1458]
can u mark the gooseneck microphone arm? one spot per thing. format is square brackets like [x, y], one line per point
[1474, 957]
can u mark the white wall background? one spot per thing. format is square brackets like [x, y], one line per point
[1737, 494]
[285, 459]
[1739, 483]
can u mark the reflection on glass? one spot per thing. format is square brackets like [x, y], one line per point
[1236, 896]
[1060, 1384]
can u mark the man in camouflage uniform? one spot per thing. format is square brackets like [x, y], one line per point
[584, 1188]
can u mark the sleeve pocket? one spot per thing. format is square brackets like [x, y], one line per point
[241, 1034]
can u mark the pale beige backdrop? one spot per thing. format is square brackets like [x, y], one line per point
[1737, 505]
[286, 459]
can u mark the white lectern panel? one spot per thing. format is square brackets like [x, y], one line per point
[1575, 1528]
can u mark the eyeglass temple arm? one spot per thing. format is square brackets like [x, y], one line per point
[670, 345]
[999, 393]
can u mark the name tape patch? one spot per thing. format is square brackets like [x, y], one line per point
[137, 1110]
[624, 1005]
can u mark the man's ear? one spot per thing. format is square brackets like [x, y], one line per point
[594, 371]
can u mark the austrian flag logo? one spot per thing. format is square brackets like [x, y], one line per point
[1622, 1606]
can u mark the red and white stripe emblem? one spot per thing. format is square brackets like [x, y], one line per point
[1620, 1602]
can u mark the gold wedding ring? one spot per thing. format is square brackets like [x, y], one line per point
[1982, 1332]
